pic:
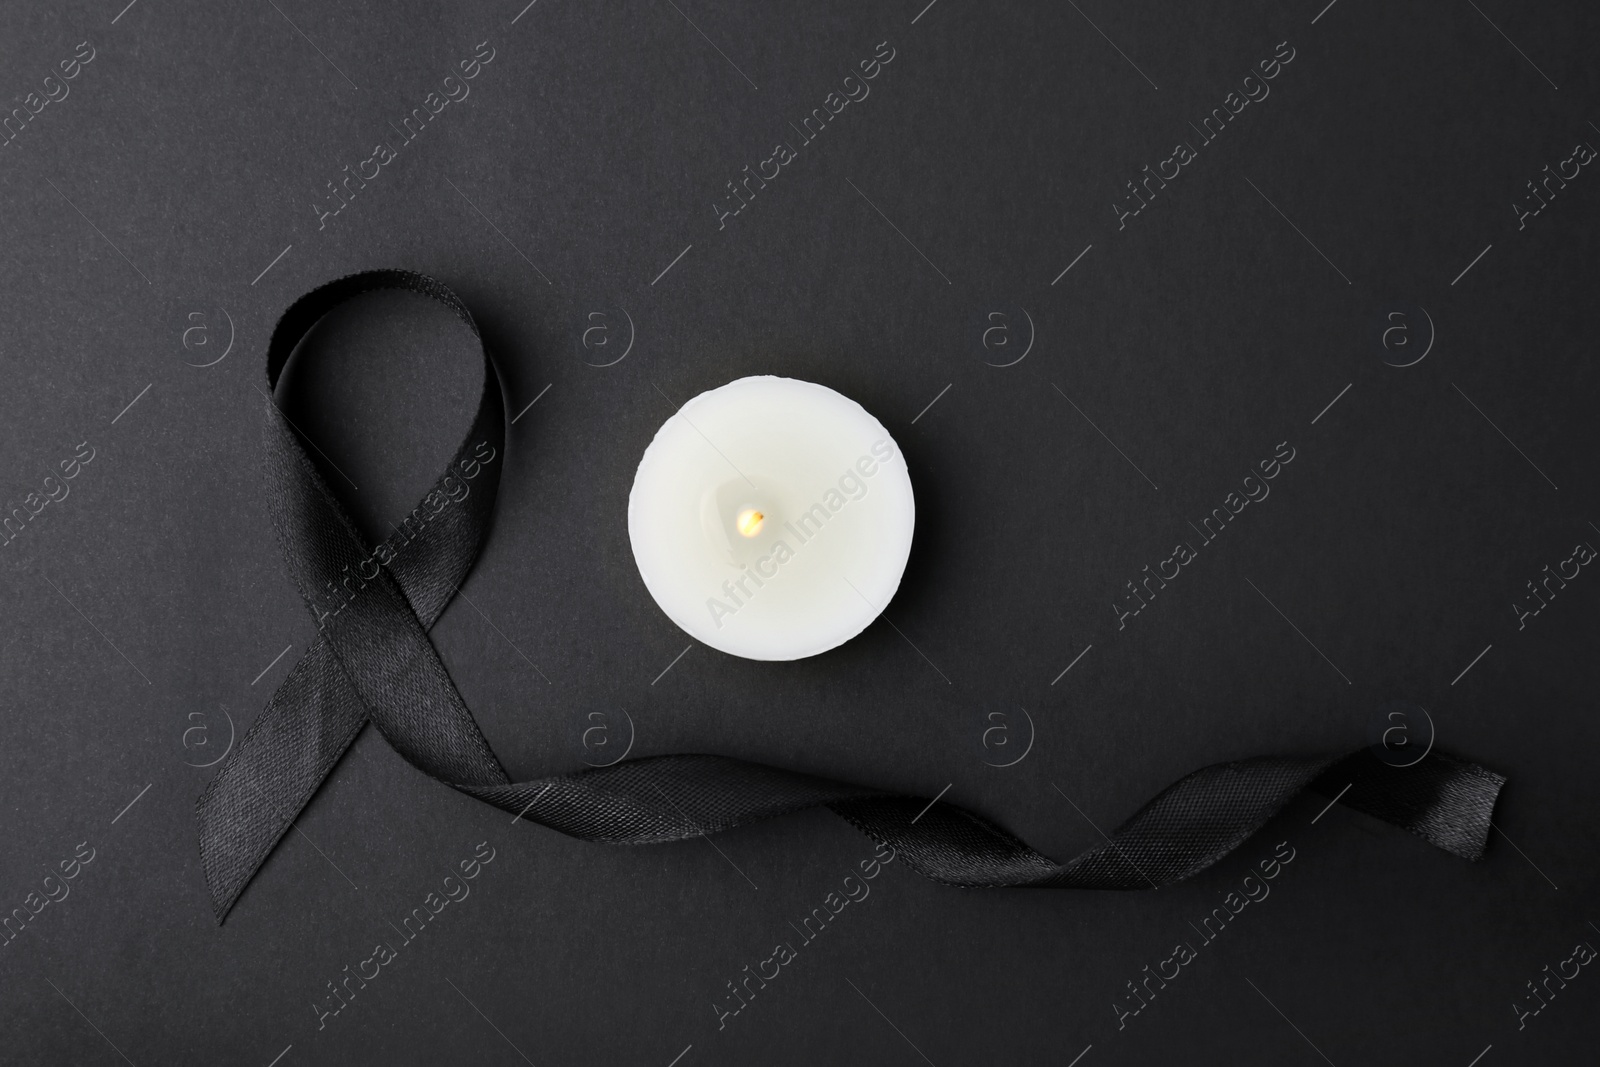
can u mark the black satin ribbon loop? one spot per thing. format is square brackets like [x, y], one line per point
[373, 661]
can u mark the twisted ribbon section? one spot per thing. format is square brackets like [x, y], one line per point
[373, 661]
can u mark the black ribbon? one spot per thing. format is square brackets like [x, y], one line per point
[373, 661]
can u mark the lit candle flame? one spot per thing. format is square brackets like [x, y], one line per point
[749, 522]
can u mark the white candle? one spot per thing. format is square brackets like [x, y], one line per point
[771, 518]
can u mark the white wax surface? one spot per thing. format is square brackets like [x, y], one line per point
[837, 517]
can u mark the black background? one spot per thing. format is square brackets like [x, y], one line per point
[590, 153]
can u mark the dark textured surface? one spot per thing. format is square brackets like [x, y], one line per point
[597, 142]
